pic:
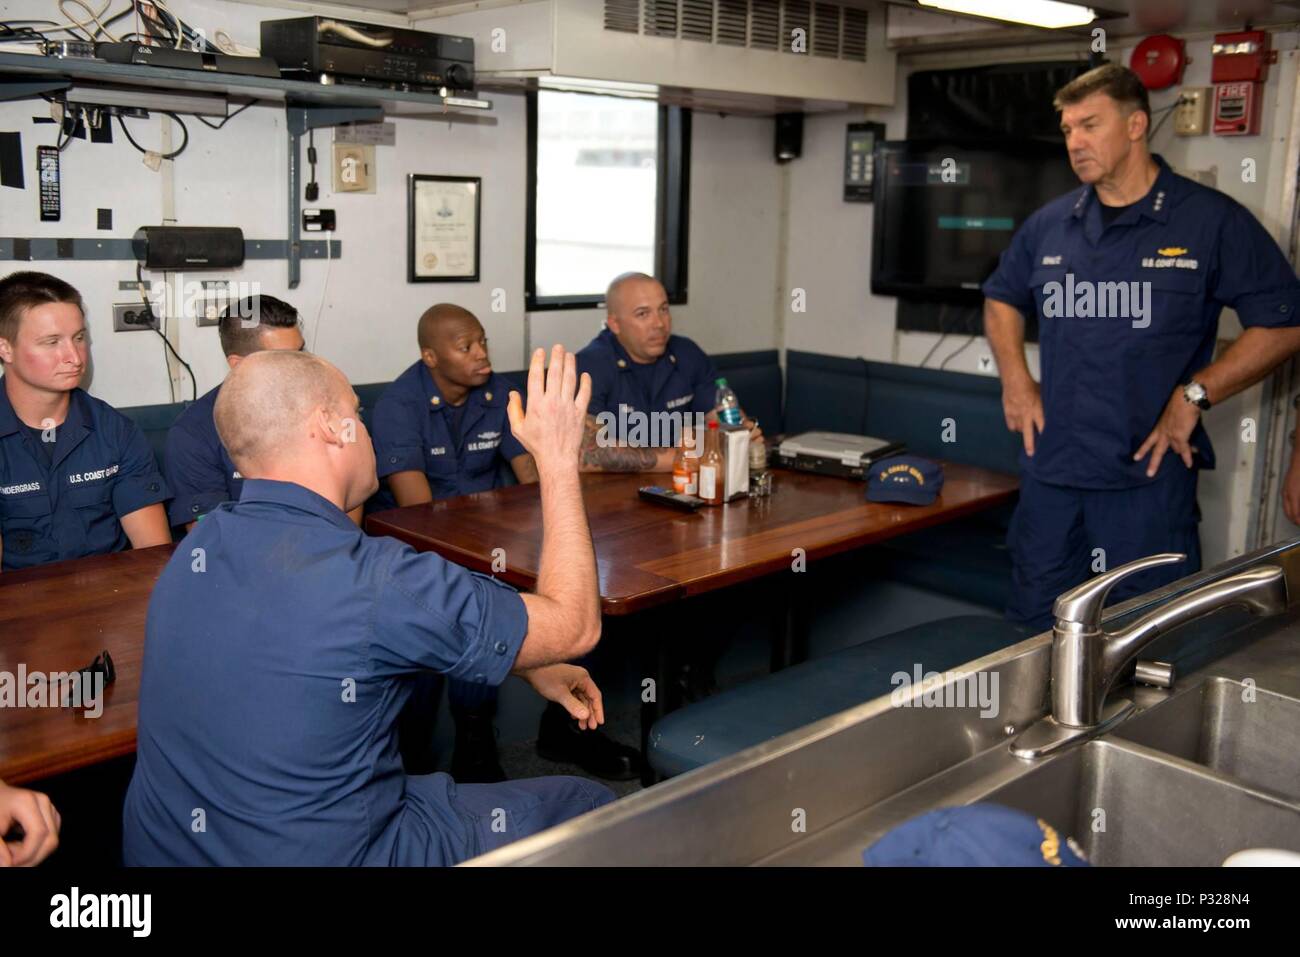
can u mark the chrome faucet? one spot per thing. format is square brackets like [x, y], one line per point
[1086, 659]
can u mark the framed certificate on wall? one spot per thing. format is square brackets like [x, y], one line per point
[442, 240]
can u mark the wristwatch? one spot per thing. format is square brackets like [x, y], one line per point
[1195, 393]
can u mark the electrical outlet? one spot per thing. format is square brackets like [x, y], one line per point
[129, 317]
[207, 310]
[1192, 115]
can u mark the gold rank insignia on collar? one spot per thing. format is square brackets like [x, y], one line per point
[436, 401]
[488, 396]
[622, 364]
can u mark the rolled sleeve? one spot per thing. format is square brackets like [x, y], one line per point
[138, 483]
[399, 446]
[1009, 283]
[198, 482]
[1252, 276]
[431, 614]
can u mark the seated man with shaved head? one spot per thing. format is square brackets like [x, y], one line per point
[636, 363]
[281, 642]
[441, 430]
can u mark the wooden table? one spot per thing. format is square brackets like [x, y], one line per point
[649, 556]
[58, 617]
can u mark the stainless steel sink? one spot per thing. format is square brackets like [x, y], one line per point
[1193, 775]
[1131, 806]
[1237, 729]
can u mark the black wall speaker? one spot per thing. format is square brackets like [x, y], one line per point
[193, 247]
[789, 136]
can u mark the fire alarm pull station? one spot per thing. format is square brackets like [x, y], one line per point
[1239, 70]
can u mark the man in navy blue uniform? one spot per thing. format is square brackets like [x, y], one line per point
[281, 641]
[198, 468]
[441, 430]
[637, 364]
[1128, 276]
[77, 477]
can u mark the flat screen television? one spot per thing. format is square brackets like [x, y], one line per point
[945, 211]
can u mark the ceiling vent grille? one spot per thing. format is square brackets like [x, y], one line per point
[733, 22]
[855, 35]
[764, 24]
[697, 20]
[660, 18]
[828, 29]
[622, 15]
[797, 16]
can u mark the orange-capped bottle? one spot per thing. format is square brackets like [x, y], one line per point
[711, 474]
[682, 473]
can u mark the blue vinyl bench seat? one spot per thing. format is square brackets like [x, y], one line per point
[764, 709]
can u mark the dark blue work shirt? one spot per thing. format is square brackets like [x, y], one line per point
[682, 380]
[1108, 371]
[280, 646]
[411, 434]
[199, 471]
[72, 504]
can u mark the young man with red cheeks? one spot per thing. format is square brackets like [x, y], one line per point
[77, 477]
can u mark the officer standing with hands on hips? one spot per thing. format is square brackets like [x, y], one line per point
[1127, 276]
[280, 643]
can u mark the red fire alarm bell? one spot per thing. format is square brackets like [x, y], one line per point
[1158, 61]
[1239, 70]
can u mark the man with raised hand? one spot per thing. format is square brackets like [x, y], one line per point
[281, 643]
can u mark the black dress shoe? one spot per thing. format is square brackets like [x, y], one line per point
[475, 758]
[561, 740]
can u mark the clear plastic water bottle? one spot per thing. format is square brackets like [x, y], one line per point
[726, 404]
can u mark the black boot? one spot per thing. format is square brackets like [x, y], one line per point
[475, 758]
[560, 739]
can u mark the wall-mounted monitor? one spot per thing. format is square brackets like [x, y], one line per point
[945, 211]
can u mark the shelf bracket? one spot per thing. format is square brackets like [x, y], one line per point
[22, 88]
[299, 118]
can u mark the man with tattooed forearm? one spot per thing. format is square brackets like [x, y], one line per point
[643, 377]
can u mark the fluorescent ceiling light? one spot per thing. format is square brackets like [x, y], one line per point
[570, 84]
[1036, 13]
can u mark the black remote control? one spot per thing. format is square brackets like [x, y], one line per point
[666, 496]
[47, 165]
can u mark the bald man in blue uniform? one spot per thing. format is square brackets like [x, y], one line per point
[281, 643]
[638, 366]
[1128, 276]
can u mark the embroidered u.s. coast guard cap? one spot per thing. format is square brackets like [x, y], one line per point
[904, 478]
[978, 835]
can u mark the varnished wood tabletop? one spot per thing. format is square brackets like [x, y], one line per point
[58, 617]
[649, 554]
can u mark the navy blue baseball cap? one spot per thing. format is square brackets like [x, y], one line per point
[904, 478]
[977, 835]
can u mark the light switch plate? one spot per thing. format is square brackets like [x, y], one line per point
[1192, 115]
[354, 168]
